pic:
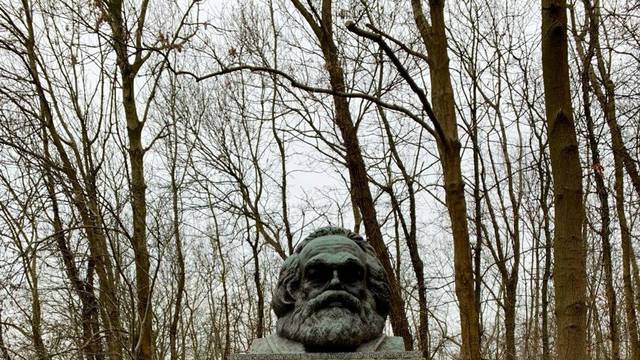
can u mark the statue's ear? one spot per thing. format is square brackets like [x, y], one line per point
[285, 295]
[292, 291]
[292, 279]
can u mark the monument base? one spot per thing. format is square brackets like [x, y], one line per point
[378, 355]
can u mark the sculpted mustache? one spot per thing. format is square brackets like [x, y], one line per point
[326, 298]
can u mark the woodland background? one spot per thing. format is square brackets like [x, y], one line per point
[159, 160]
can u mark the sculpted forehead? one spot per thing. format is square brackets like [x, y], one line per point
[332, 247]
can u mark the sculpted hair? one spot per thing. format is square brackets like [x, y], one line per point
[290, 275]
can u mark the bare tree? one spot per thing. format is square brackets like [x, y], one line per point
[569, 271]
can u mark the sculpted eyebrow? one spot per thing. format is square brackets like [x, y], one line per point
[315, 262]
[353, 262]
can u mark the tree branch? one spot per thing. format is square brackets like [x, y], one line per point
[313, 89]
[426, 105]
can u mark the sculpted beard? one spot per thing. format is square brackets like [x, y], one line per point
[333, 320]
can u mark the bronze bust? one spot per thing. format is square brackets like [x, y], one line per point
[332, 296]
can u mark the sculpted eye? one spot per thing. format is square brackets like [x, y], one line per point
[351, 272]
[316, 274]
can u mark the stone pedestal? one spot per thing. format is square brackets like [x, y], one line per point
[379, 355]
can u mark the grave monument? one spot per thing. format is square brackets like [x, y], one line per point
[331, 301]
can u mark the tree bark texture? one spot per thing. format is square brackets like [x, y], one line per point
[627, 253]
[143, 347]
[356, 166]
[435, 40]
[85, 200]
[569, 272]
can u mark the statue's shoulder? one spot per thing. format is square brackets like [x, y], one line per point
[392, 343]
[383, 343]
[274, 344]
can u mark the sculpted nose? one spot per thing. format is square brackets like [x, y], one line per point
[335, 280]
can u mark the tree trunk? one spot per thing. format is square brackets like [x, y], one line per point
[94, 348]
[175, 195]
[410, 234]
[226, 344]
[143, 341]
[478, 172]
[3, 346]
[569, 253]
[510, 318]
[586, 57]
[636, 278]
[143, 333]
[434, 38]
[362, 194]
[85, 200]
[259, 287]
[603, 88]
[627, 253]
[360, 191]
[612, 304]
[546, 275]
[36, 312]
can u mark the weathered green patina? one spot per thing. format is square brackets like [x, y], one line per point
[332, 296]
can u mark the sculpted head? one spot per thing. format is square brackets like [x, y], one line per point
[332, 294]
